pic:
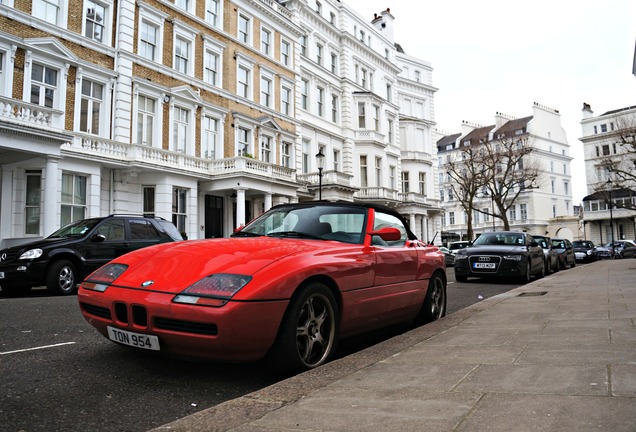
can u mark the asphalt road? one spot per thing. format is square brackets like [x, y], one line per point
[58, 374]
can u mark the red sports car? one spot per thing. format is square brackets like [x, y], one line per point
[286, 286]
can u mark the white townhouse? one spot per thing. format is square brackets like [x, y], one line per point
[544, 208]
[609, 211]
[368, 108]
[206, 113]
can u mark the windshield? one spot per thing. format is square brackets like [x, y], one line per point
[582, 244]
[504, 239]
[75, 229]
[543, 242]
[339, 223]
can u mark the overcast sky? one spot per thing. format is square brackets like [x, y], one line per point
[493, 56]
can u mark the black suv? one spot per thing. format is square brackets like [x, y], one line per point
[66, 257]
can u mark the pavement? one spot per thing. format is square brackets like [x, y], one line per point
[558, 354]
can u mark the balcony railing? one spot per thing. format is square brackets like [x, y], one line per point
[30, 114]
[138, 154]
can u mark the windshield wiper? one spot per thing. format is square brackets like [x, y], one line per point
[245, 234]
[294, 234]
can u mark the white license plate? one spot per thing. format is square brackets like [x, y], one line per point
[484, 265]
[133, 339]
[1, 275]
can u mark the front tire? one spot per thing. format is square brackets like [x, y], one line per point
[460, 278]
[525, 278]
[307, 337]
[61, 278]
[434, 306]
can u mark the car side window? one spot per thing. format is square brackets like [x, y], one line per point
[383, 220]
[112, 229]
[142, 230]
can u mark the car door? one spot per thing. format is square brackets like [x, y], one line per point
[142, 233]
[100, 250]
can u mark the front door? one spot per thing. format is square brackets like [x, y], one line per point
[213, 216]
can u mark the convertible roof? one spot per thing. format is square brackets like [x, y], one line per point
[367, 205]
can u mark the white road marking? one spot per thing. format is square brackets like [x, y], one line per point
[36, 348]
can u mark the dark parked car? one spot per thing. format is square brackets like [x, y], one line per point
[565, 252]
[501, 254]
[61, 260]
[584, 250]
[619, 249]
[449, 258]
[551, 255]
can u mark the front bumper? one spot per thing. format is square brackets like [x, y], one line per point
[27, 273]
[238, 331]
[503, 267]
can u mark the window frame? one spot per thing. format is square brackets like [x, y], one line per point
[218, 16]
[106, 26]
[150, 17]
[155, 115]
[244, 36]
[211, 48]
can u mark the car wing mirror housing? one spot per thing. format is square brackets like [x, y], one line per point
[98, 238]
[387, 233]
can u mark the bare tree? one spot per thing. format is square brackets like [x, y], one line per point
[618, 158]
[510, 170]
[465, 173]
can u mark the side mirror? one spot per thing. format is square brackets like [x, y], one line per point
[534, 244]
[387, 233]
[98, 238]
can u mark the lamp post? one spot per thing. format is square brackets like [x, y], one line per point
[320, 159]
[609, 201]
[492, 203]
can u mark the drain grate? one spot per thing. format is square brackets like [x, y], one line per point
[532, 294]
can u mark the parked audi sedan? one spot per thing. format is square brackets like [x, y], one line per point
[565, 251]
[501, 254]
[286, 287]
[584, 250]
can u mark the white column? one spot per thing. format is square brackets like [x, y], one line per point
[412, 224]
[51, 196]
[240, 207]
[268, 201]
[6, 204]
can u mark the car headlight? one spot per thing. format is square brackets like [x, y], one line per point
[460, 257]
[31, 254]
[213, 290]
[512, 257]
[103, 277]
[590, 252]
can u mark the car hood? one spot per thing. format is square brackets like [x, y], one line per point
[174, 266]
[492, 249]
[45, 243]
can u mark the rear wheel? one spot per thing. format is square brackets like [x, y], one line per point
[308, 334]
[61, 278]
[434, 306]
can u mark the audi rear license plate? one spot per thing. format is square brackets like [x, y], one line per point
[484, 265]
[138, 340]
